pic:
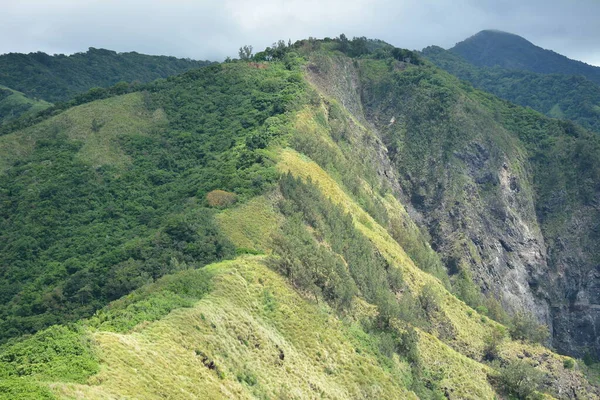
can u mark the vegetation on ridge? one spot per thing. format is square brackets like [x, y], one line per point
[59, 77]
[201, 172]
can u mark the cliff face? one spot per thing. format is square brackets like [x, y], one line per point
[576, 290]
[498, 188]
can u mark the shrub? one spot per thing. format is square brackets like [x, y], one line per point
[569, 363]
[520, 379]
[525, 327]
[492, 343]
[220, 198]
[429, 299]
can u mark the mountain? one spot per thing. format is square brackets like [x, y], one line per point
[496, 48]
[320, 221]
[559, 96]
[58, 78]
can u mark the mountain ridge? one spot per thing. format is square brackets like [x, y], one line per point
[57, 78]
[222, 221]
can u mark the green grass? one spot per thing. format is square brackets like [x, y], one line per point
[252, 336]
[250, 225]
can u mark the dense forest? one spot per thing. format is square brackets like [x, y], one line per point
[77, 235]
[59, 77]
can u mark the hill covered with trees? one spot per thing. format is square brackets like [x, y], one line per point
[57, 78]
[332, 218]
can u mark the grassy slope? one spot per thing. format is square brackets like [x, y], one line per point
[265, 341]
[13, 104]
[118, 116]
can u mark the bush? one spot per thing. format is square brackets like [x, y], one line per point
[569, 363]
[520, 379]
[525, 327]
[492, 343]
[58, 352]
[220, 198]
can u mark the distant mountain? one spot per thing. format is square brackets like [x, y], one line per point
[491, 47]
[60, 77]
[575, 98]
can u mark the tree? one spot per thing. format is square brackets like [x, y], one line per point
[245, 52]
[344, 43]
[520, 379]
[525, 327]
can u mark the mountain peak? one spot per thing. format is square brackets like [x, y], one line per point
[494, 47]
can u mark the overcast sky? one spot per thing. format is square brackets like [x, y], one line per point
[203, 29]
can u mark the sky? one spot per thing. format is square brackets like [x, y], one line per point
[212, 30]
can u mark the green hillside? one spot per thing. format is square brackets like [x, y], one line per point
[559, 96]
[264, 229]
[14, 104]
[59, 77]
[496, 48]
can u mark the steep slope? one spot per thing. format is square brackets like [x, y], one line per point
[491, 47]
[60, 77]
[559, 96]
[13, 104]
[508, 195]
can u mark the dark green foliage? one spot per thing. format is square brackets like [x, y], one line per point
[312, 267]
[15, 104]
[525, 327]
[560, 96]
[277, 51]
[59, 77]
[520, 379]
[492, 343]
[364, 47]
[4, 93]
[74, 237]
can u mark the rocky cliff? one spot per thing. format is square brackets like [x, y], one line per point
[509, 206]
